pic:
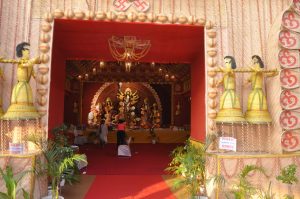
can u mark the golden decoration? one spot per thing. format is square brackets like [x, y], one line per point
[128, 49]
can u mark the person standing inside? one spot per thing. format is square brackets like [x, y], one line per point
[121, 136]
[103, 131]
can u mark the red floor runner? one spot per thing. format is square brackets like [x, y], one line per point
[129, 187]
[137, 177]
[146, 159]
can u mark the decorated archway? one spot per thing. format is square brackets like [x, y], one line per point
[185, 23]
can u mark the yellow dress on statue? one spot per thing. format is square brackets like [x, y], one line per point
[257, 109]
[230, 107]
[21, 106]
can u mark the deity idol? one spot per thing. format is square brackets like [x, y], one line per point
[230, 108]
[257, 109]
[144, 114]
[128, 99]
[21, 106]
[155, 116]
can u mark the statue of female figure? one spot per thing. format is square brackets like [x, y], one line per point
[144, 114]
[21, 106]
[230, 108]
[155, 116]
[257, 109]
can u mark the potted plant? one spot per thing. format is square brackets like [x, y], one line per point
[58, 161]
[11, 183]
[243, 189]
[288, 176]
[189, 164]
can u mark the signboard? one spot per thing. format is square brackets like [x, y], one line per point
[227, 143]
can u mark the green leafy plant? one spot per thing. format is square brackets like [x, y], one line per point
[243, 188]
[268, 194]
[59, 161]
[288, 176]
[189, 162]
[11, 183]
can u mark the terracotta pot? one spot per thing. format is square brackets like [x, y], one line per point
[90, 15]
[121, 16]
[131, 16]
[46, 27]
[69, 14]
[79, 14]
[212, 93]
[44, 58]
[211, 33]
[42, 100]
[142, 17]
[200, 21]
[162, 18]
[211, 42]
[100, 15]
[211, 73]
[43, 69]
[211, 62]
[58, 13]
[48, 17]
[42, 91]
[212, 114]
[44, 47]
[182, 19]
[44, 37]
[212, 52]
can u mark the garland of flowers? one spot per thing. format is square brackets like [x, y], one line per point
[234, 170]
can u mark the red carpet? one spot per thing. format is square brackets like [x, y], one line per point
[147, 159]
[129, 187]
[138, 177]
